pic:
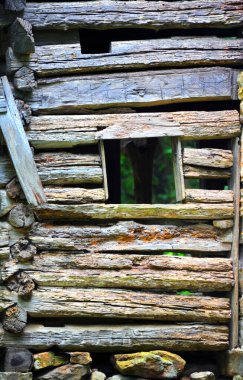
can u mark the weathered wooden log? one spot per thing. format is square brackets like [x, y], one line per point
[203, 172]
[115, 304]
[127, 211]
[6, 203]
[15, 319]
[7, 171]
[125, 338]
[16, 6]
[130, 236]
[21, 216]
[131, 89]
[24, 79]
[21, 283]
[72, 195]
[54, 60]
[23, 251]
[62, 158]
[16, 376]
[21, 37]
[18, 360]
[67, 131]
[222, 224]
[209, 196]
[216, 158]
[135, 14]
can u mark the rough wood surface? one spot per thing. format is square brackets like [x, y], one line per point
[55, 60]
[14, 319]
[6, 204]
[216, 158]
[115, 304]
[3, 105]
[135, 14]
[16, 6]
[209, 196]
[72, 195]
[24, 79]
[18, 360]
[136, 89]
[127, 211]
[223, 224]
[21, 37]
[125, 338]
[178, 169]
[203, 172]
[130, 236]
[21, 216]
[20, 283]
[16, 376]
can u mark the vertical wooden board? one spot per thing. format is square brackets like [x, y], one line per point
[19, 149]
[178, 169]
[103, 163]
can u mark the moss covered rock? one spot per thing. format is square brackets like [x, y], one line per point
[49, 359]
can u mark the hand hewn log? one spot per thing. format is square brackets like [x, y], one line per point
[125, 338]
[72, 195]
[21, 37]
[18, 360]
[24, 79]
[15, 319]
[21, 216]
[209, 196]
[115, 304]
[134, 89]
[203, 172]
[127, 211]
[53, 60]
[135, 14]
[216, 158]
[16, 6]
[130, 236]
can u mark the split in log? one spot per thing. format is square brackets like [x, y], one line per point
[56, 60]
[128, 272]
[18, 360]
[21, 283]
[16, 6]
[6, 203]
[127, 211]
[135, 14]
[24, 79]
[130, 236]
[21, 37]
[136, 89]
[203, 172]
[72, 195]
[125, 338]
[121, 304]
[215, 158]
[21, 216]
[15, 319]
[23, 251]
[210, 196]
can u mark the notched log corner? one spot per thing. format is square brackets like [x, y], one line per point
[21, 36]
[23, 251]
[15, 319]
[21, 283]
[21, 216]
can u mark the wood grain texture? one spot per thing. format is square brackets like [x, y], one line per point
[21, 37]
[178, 169]
[139, 211]
[216, 158]
[130, 236]
[209, 196]
[136, 89]
[6, 204]
[203, 172]
[72, 195]
[55, 60]
[135, 14]
[117, 304]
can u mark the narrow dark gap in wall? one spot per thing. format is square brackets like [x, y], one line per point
[95, 41]
[112, 154]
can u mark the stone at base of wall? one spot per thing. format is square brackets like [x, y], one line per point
[231, 363]
[16, 376]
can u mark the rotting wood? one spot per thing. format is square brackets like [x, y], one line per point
[24, 79]
[215, 158]
[21, 283]
[55, 60]
[209, 196]
[136, 211]
[130, 236]
[21, 216]
[72, 195]
[178, 169]
[18, 146]
[125, 338]
[14, 319]
[116, 304]
[23, 251]
[203, 172]
[135, 14]
[16, 6]
[131, 89]
[21, 37]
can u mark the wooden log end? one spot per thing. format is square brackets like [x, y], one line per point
[21, 216]
[24, 79]
[23, 251]
[21, 283]
[15, 319]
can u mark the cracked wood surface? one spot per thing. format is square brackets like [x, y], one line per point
[216, 158]
[209, 196]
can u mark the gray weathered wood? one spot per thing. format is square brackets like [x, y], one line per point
[21, 37]
[18, 360]
[216, 158]
[135, 14]
[191, 171]
[6, 204]
[3, 106]
[16, 6]
[57, 60]
[125, 338]
[69, 195]
[19, 150]
[14, 319]
[21, 283]
[16, 376]
[24, 79]
[139, 211]
[21, 216]
[130, 236]
[178, 169]
[115, 304]
[223, 224]
[209, 196]
[23, 251]
[134, 89]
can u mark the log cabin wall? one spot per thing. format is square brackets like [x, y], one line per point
[78, 272]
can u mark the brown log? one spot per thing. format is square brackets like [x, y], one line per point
[15, 319]
[203, 172]
[21, 216]
[69, 195]
[209, 196]
[21, 36]
[21, 283]
[18, 360]
[24, 79]
[216, 158]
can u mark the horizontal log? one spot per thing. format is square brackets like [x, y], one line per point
[216, 158]
[130, 236]
[54, 60]
[71, 195]
[135, 14]
[116, 304]
[139, 211]
[136, 89]
[209, 196]
[203, 172]
[4, 253]
[125, 338]
[51, 160]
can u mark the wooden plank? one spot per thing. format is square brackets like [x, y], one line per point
[178, 169]
[209, 196]
[134, 89]
[216, 158]
[130, 236]
[3, 106]
[203, 172]
[18, 147]
[117, 304]
[188, 51]
[72, 195]
[135, 14]
[137, 211]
